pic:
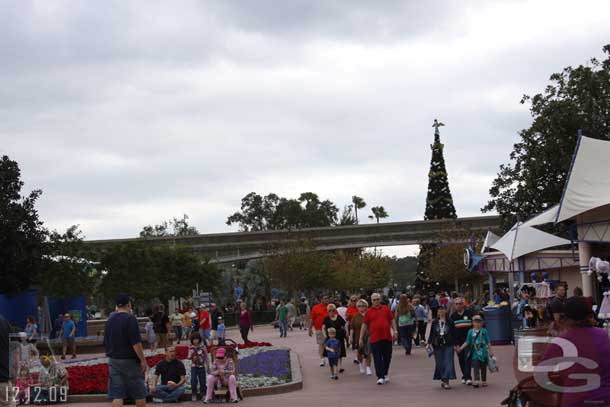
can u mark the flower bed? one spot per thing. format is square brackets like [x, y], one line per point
[260, 364]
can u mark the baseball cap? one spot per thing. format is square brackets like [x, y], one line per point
[122, 300]
[477, 318]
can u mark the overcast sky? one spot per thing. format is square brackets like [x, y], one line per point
[126, 113]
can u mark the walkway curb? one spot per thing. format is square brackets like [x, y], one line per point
[295, 385]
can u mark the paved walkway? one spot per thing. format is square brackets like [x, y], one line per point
[411, 384]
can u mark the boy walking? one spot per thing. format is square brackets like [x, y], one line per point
[333, 352]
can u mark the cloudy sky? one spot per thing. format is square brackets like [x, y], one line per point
[126, 113]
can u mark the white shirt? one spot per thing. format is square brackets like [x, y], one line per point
[342, 311]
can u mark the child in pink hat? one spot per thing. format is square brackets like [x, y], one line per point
[222, 371]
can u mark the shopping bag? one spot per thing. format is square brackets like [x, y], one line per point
[492, 364]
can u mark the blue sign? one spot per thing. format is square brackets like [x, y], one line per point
[238, 292]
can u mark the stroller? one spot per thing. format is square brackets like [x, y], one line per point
[221, 393]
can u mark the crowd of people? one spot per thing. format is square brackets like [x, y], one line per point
[162, 329]
[444, 325]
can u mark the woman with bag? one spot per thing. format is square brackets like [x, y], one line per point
[334, 320]
[405, 319]
[478, 344]
[440, 342]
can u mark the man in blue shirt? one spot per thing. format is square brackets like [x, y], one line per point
[67, 334]
[126, 362]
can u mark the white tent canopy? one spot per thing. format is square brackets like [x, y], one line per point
[547, 216]
[522, 240]
[588, 184]
[490, 239]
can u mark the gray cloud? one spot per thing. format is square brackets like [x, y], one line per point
[133, 112]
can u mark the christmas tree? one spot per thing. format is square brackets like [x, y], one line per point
[439, 203]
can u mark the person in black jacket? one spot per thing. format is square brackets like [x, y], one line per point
[441, 341]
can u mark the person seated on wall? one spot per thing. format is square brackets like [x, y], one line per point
[52, 385]
[173, 376]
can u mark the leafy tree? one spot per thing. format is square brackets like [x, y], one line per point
[271, 212]
[404, 270]
[22, 234]
[439, 202]
[533, 179]
[130, 268]
[358, 203]
[347, 216]
[254, 279]
[379, 212]
[154, 231]
[180, 270]
[296, 266]
[447, 264]
[67, 272]
[180, 227]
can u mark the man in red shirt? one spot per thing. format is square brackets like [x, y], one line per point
[381, 325]
[204, 324]
[316, 320]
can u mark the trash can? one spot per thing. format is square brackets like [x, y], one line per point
[498, 324]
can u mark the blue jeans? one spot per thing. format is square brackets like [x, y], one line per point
[177, 332]
[405, 334]
[283, 327]
[166, 394]
[198, 375]
[205, 335]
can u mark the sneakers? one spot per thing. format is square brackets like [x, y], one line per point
[194, 397]
[206, 401]
[157, 401]
[386, 379]
[322, 362]
[368, 371]
[469, 382]
[356, 362]
[380, 381]
[463, 381]
[361, 368]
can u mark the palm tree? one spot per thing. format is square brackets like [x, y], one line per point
[378, 213]
[358, 204]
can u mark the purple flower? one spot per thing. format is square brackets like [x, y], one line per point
[274, 363]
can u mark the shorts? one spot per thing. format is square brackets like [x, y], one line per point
[320, 339]
[126, 380]
[333, 361]
[69, 340]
